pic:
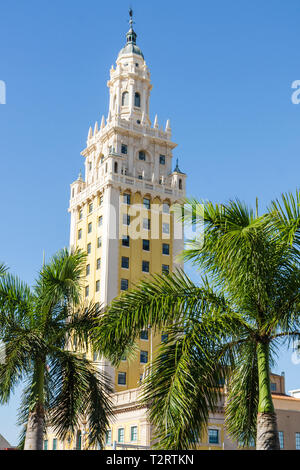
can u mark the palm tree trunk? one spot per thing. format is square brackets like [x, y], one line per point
[267, 434]
[36, 420]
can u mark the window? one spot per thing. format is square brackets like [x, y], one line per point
[137, 100]
[124, 284]
[144, 334]
[146, 245]
[125, 98]
[90, 166]
[100, 200]
[180, 184]
[213, 436]
[87, 291]
[122, 378]
[78, 440]
[108, 437]
[133, 433]
[121, 435]
[144, 357]
[88, 270]
[145, 266]
[99, 242]
[116, 167]
[97, 286]
[165, 269]
[281, 439]
[165, 249]
[90, 207]
[162, 159]
[46, 444]
[125, 240]
[80, 214]
[166, 208]
[54, 445]
[140, 177]
[125, 262]
[90, 227]
[142, 155]
[146, 224]
[79, 234]
[164, 338]
[146, 203]
[273, 387]
[98, 263]
[100, 221]
[166, 228]
[89, 248]
[297, 434]
[124, 149]
[126, 219]
[126, 199]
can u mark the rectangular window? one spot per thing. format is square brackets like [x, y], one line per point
[133, 433]
[144, 357]
[146, 224]
[79, 234]
[90, 227]
[121, 435]
[122, 378]
[100, 221]
[166, 228]
[165, 269]
[273, 387]
[80, 214]
[97, 286]
[146, 203]
[145, 266]
[297, 435]
[166, 249]
[213, 436]
[54, 446]
[87, 291]
[166, 208]
[142, 155]
[125, 240]
[126, 199]
[162, 159]
[126, 219]
[281, 439]
[89, 248]
[88, 270]
[90, 207]
[100, 200]
[146, 245]
[124, 149]
[125, 262]
[99, 242]
[98, 263]
[108, 437]
[124, 284]
[46, 444]
[144, 334]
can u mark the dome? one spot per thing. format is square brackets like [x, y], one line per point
[131, 48]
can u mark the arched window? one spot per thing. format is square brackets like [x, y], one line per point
[125, 98]
[180, 184]
[142, 155]
[78, 440]
[137, 100]
[116, 167]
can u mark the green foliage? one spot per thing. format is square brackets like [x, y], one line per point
[37, 329]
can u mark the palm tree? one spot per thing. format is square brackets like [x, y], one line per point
[37, 328]
[228, 327]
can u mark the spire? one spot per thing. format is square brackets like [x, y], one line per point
[176, 169]
[102, 123]
[155, 125]
[79, 176]
[90, 134]
[131, 35]
[96, 128]
[168, 127]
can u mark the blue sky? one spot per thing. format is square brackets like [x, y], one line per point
[221, 71]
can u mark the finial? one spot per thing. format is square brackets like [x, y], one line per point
[131, 35]
[80, 175]
[131, 16]
[177, 167]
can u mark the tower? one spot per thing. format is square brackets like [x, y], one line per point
[121, 215]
